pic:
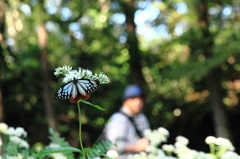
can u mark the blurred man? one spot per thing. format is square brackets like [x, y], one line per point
[126, 127]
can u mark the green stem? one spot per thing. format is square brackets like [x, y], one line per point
[212, 148]
[169, 153]
[80, 128]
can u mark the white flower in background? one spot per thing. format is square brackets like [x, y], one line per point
[161, 154]
[149, 156]
[142, 155]
[223, 149]
[152, 149]
[170, 157]
[190, 154]
[58, 156]
[20, 142]
[156, 136]
[112, 154]
[163, 131]
[210, 140]
[3, 127]
[182, 140]
[19, 131]
[230, 155]
[184, 156]
[202, 155]
[180, 145]
[181, 150]
[224, 144]
[168, 148]
[11, 131]
[147, 132]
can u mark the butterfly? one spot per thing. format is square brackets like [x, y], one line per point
[77, 89]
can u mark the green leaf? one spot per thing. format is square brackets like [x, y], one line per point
[96, 106]
[48, 151]
[88, 150]
[97, 152]
[100, 149]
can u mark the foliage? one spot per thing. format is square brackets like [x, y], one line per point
[92, 34]
[15, 147]
[13, 143]
[102, 147]
[57, 145]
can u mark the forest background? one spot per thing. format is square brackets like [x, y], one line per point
[183, 53]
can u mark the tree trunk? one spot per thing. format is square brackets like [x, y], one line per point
[219, 116]
[132, 43]
[2, 66]
[47, 97]
[220, 119]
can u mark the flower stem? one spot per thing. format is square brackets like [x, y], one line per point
[80, 128]
[169, 153]
[212, 148]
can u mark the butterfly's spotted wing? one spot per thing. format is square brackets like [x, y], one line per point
[87, 86]
[77, 89]
[63, 92]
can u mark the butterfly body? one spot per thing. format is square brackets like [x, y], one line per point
[77, 89]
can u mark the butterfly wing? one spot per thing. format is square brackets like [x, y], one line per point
[77, 89]
[87, 86]
[64, 92]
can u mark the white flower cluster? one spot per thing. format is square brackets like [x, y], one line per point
[224, 147]
[62, 70]
[80, 74]
[156, 137]
[20, 142]
[224, 144]
[3, 127]
[221, 142]
[220, 148]
[142, 155]
[183, 152]
[14, 135]
[19, 131]
[230, 155]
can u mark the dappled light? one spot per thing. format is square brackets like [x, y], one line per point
[185, 55]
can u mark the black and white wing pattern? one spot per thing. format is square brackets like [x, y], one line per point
[80, 88]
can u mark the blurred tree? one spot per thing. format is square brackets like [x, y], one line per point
[2, 62]
[132, 44]
[42, 42]
[220, 118]
[182, 52]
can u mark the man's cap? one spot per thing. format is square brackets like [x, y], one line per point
[132, 91]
